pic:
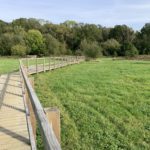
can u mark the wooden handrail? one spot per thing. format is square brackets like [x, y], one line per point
[49, 138]
[46, 129]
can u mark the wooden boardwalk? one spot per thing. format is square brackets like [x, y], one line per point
[14, 133]
[47, 67]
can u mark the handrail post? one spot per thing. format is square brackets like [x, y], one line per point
[32, 115]
[36, 65]
[27, 63]
[53, 115]
[76, 60]
[44, 64]
[54, 62]
[49, 63]
[61, 61]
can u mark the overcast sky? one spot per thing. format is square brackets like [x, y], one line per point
[134, 13]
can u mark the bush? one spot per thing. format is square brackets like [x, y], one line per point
[53, 46]
[35, 42]
[19, 50]
[131, 53]
[6, 42]
[78, 52]
[111, 47]
[90, 49]
[129, 50]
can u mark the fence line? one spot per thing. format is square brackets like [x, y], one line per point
[36, 65]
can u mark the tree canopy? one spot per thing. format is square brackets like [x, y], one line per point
[40, 37]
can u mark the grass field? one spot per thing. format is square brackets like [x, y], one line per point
[8, 65]
[104, 104]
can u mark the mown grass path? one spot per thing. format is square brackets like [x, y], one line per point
[104, 104]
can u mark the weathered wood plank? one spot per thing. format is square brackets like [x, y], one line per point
[13, 125]
[49, 138]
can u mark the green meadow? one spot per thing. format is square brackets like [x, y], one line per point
[104, 104]
[8, 65]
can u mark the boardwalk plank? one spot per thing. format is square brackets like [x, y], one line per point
[13, 125]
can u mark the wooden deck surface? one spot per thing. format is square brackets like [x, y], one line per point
[14, 133]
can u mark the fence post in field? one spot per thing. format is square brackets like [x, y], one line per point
[36, 65]
[49, 63]
[27, 61]
[76, 60]
[61, 61]
[58, 62]
[44, 64]
[53, 62]
[53, 115]
[69, 59]
[65, 60]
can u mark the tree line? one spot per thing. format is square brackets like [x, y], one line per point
[38, 37]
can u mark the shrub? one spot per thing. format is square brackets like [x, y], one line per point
[53, 46]
[19, 50]
[129, 50]
[90, 49]
[35, 42]
[78, 52]
[111, 47]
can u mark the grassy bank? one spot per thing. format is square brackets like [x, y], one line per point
[8, 65]
[104, 104]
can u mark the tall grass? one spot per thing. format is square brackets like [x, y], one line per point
[8, 65]
[103, 104]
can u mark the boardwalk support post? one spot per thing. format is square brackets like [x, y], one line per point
[44, 64]
[49, 63]
[53, 115]
[36, 65]
[32, 115]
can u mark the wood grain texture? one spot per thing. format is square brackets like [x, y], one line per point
[13, 125]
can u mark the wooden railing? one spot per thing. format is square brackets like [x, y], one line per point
[36, 65]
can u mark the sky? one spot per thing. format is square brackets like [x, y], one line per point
[134, 13]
